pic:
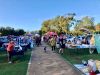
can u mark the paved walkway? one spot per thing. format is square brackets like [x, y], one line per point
[49, 63]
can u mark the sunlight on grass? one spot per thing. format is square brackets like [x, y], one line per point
[76, 58]
[19, 67]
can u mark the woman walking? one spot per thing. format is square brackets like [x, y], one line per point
[53, 42]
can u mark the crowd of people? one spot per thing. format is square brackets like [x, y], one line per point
[65, 41]
[22, 43]
[16, 45]
[62, 41]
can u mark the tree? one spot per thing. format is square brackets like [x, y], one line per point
[5, 31]
[58, 24]
[86, 22]
[45, 26]
[19, 32]
[97, 27]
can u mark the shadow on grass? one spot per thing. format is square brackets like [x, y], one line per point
[3, 56]
[18, 58]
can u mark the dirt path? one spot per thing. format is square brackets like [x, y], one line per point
[49, 63]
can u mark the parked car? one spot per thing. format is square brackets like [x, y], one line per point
[4, 39]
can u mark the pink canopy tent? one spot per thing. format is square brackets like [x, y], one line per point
[55, 33]
[51, 33]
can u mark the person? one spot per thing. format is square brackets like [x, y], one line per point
[92, 41]
[37, 40]
[10, 49]
[42, 38]
[57, 45]
[62, 43]
[1, 43]
[83, 41]
[53, 42]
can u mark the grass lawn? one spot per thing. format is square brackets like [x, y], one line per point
[75, 58]
[19, 67]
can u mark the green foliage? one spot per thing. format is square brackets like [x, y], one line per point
[75, 56]
[40, 32]
[19, 32]
[19, 67]
[98, 24]
[11, 31]
[97, 27]
[58, 24]
[86, 22]
[97, 32]
[62, 24]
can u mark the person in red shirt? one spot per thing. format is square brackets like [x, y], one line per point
[10, 49]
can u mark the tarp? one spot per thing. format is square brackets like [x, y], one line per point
[97, 42]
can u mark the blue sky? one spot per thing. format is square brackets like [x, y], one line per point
[29, 14]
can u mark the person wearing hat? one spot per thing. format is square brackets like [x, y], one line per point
[10, 49]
